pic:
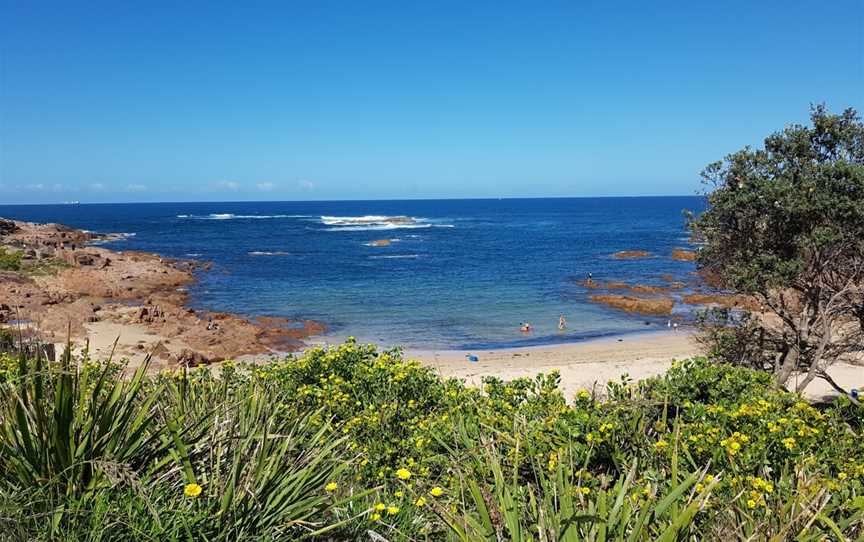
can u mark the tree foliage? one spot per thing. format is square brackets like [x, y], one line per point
[785, 224]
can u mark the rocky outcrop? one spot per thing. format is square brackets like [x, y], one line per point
[103, 288]
[729, 301]
[7, 227]
[635, 288]
[637, 305]
[82, 258]
[683, 255]
[631, 254]
[191, 358]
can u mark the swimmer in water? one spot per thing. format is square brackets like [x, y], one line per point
[562, 323]
[524, 327]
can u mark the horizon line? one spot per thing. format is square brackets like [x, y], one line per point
[73, 203]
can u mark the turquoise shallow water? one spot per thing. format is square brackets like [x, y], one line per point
[455, 274]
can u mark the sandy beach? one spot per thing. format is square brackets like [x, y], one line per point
[139, 300]
[582, 365]
[590, 364]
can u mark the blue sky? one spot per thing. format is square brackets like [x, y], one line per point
[181, 101]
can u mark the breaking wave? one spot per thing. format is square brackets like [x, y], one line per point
[232, 216]
[378, 222]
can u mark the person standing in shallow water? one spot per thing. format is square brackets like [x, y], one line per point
[562, 323]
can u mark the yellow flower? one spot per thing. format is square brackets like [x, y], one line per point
[392, 510]
[841, 475]
[420, 502]
[331, 486]
[751, 503]
[436, 492]
[192, 490]
[660, 445]
[397, 494]
[376, 516]
[380, 507]
[585, 490]
[403, 474]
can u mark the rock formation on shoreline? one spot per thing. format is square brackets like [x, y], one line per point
[659, 306]
[631, 254]
[68, 283]
[683, 255]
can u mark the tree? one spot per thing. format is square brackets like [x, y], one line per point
[785, 224]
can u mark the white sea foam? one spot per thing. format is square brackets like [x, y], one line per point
[395, 257]
[368, 220]
[379, 222]
[267, 253]
[110, 238]
[379, 227]
[232, 216]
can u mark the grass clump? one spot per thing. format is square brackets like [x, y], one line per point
[10, 260]
[44, 267]
[351, 443]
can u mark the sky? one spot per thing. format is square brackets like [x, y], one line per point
[296, 100]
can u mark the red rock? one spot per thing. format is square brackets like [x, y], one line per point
[639, 305]
[683, 255]
[631, 254]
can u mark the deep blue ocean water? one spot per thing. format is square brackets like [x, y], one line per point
[457, 273]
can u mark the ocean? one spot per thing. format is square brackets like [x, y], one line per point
[446, 274]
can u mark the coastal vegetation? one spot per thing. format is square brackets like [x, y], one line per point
[354, 443]
[10, 260]
[785, 226]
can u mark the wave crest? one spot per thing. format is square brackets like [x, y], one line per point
[232, 216]
[378, 222]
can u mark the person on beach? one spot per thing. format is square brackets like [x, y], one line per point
[562, 323]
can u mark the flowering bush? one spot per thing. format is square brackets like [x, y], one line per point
[365, 441]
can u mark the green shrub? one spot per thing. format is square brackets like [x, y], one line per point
[10, 261]
[352, 443]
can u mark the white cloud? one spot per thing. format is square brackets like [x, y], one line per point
[230, 185]
[136, 188]
[38, 187]
[306, 186]
[96, 187]
[265, 187]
